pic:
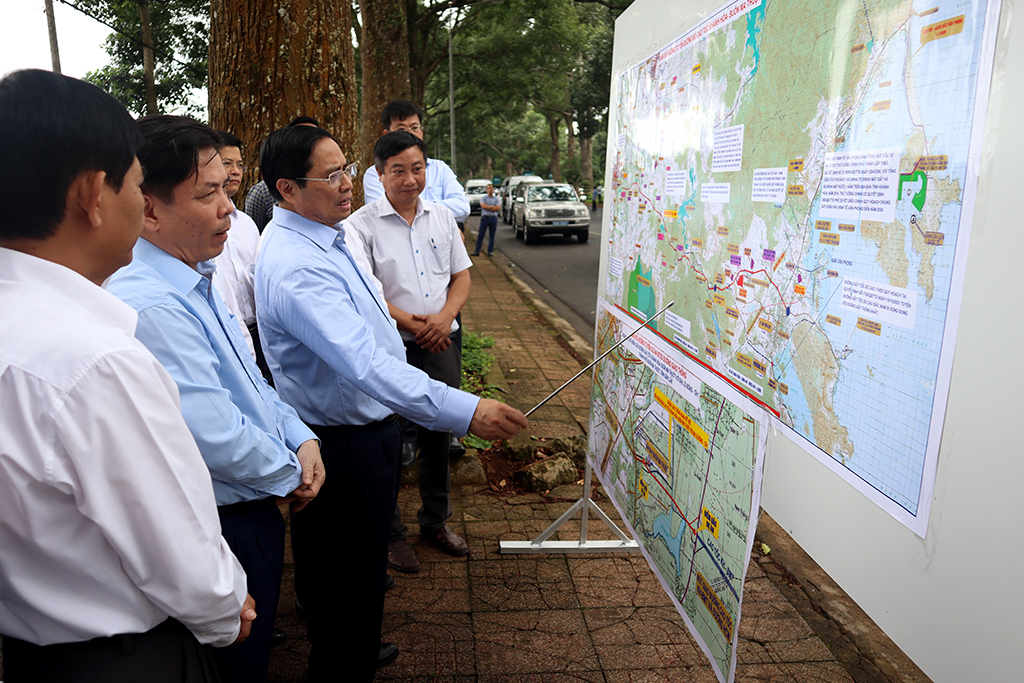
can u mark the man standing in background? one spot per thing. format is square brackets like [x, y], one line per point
[415, 251]
[489, 207]
[237, 263]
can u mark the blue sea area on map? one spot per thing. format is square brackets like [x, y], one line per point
[663, 527]
[795, 402]
[754, 20]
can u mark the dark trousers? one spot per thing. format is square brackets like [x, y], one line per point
[261, 359]
[255, 533]
[487, 224]
[167, 653]
[340, 543]
[435, 481]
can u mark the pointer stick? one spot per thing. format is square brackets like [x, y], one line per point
[600, 358]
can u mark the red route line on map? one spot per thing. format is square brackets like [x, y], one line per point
[707, 367]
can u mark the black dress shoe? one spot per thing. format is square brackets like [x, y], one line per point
[455, 448]
[300, 610]
[388, 654]
[389, 582]
[277, 637]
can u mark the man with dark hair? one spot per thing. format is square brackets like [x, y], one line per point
[112, 563]
[440, 184]
[415, 250]
[258, 451]
[259, 204]
[338, 358]
[237, 263]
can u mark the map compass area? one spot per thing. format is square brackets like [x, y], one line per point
[682, 463]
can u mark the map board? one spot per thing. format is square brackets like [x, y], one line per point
[682, 462]
[799, 179]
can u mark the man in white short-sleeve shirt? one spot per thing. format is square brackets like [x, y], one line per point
[415, 250]
[111, 555]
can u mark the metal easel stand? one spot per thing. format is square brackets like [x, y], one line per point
[541, 544]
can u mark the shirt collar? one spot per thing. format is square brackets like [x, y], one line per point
[43, 274]
[384, 208]
[178, 274]
[319, 234]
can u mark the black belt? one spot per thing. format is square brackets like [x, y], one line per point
[245, 506]
[329, 429]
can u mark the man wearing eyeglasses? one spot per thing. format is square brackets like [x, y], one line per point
[440, 185]
[337, 356]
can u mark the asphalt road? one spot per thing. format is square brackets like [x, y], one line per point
[560, 269]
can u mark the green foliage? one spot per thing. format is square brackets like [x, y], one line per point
[180, 39]
[476, 363]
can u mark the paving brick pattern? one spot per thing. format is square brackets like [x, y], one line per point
[489, 618]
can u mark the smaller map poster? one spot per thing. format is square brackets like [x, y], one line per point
[682, 463]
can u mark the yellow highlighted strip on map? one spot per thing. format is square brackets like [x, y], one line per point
[682, 418]
[936, 238]
[714, 606]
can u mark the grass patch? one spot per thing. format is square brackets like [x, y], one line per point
[476, 363]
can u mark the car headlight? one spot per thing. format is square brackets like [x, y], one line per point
[535, 213]
[582, 212]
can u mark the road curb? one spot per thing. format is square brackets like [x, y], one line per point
[581, 346]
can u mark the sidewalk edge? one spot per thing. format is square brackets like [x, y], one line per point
[581, 346]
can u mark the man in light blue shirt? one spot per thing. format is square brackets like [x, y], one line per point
[336, 355]
[257, 449]
[442, 187]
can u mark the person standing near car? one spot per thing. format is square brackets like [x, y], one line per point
[489, 207]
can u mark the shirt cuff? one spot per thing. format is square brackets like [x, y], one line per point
[457, 412]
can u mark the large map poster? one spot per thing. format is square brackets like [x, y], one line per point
[682, 462]
[799, 178]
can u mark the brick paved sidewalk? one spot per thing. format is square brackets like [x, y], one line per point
[490, 618]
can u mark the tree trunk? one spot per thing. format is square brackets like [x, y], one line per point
[274, 60]
[587, 162]
[570, 140]
[148, 67]
[384, 52]
[554, 126]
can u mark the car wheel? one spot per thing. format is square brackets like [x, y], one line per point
[504, 216]
[529, 237]
[583, 236]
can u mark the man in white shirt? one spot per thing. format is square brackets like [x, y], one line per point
[112, 564]
[415, 250]
[237, 263]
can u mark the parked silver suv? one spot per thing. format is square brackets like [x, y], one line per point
[508, 190]
[549, 208]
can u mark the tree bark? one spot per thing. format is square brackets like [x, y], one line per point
[384, 52]
[273, 60]
[570, 139]
[587, 162]
[554, 126]
[148, 66]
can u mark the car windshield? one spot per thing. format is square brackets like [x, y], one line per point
[477, 187]
[552, 194]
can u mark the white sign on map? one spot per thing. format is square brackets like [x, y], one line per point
[678, 323]
[675, 182]
[891, 305]
[861, 185]
[715, 192]
[769, 185]
[615, 267]
[728, 150]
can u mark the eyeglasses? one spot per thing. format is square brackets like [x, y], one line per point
[414, 128]
[242, 168]
[334, 180]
